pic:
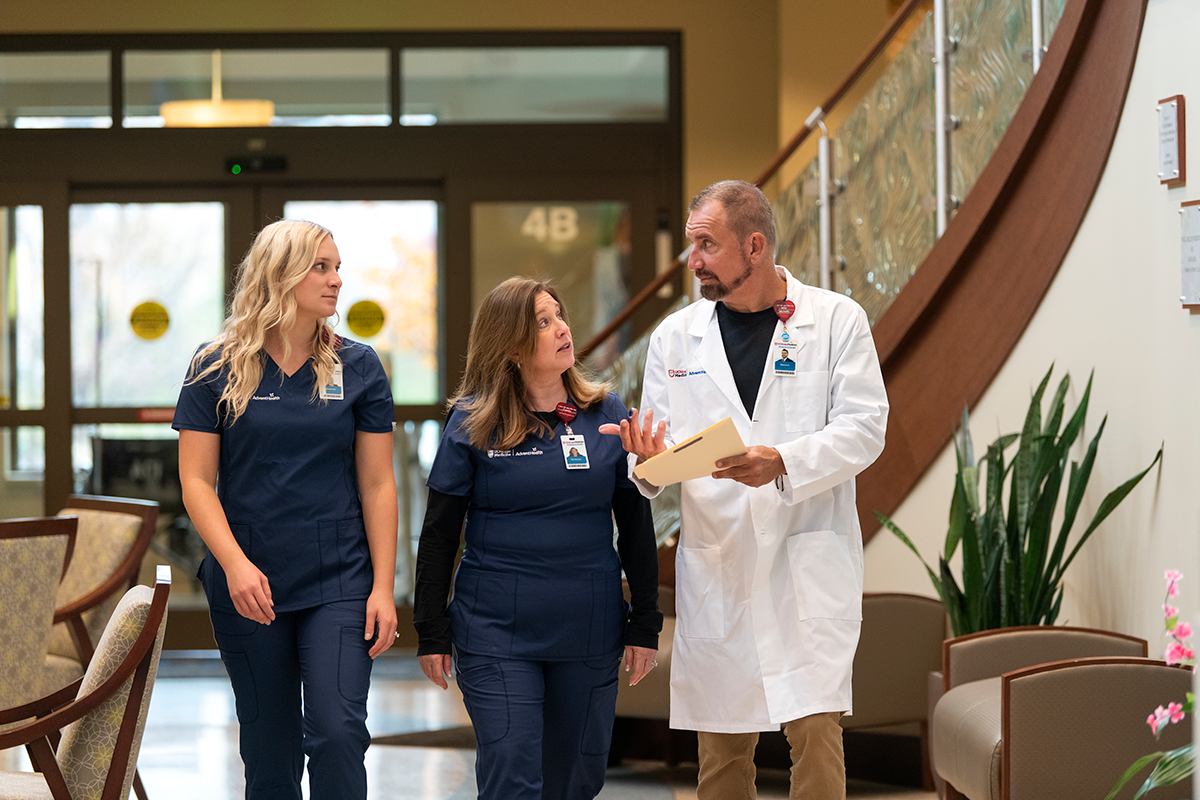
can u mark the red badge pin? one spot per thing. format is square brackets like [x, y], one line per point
[785, 309]
[566, 412]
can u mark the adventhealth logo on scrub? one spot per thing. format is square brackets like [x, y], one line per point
[506, 453]
[271, 396]
[683, 373]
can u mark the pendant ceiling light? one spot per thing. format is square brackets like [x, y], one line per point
[217, 112]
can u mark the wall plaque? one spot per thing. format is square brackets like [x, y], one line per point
[1190, 254]
[1172, 151]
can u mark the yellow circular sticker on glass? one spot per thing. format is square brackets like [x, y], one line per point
[150, 320]
[365, 318]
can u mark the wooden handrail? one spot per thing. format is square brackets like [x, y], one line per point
[633, 306]
[636, 303]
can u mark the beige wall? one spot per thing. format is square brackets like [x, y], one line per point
[730, 50]
[1114, 307]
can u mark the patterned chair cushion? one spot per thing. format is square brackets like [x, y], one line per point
[29, 574]
[24, 786]
[86, 749]
[59, 672]
[102, 543]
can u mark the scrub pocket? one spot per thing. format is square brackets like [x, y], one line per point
[700, 595]
[485, 695]
[805, 401]
[827, 585]
[483, 611]
[602, 710]
[232, 632]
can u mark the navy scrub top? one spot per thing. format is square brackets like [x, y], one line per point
[539, 578]
[287, 478]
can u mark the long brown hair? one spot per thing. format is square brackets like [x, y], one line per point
[493, 392]
[282, 254]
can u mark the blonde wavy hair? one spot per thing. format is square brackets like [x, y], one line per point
[281, 256]
[493, 391]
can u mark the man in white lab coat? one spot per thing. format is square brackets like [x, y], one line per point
[769, 566]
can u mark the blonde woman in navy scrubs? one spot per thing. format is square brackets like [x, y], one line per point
[285, 456]
[537, 625]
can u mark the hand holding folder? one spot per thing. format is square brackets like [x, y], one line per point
[695, 457]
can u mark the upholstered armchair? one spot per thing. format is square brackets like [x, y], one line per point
[972, 741]
[114, 535]
[899, 645]
[85, 740]
[34, 553]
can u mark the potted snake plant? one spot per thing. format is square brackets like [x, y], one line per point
[1013, 562]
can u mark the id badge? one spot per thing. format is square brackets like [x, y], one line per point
[575, 452]
[333, 391]
[784, 365]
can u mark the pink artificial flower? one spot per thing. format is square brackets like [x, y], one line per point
[1158, 720]
[1178, 654]
[1176, 711]
[1173, 575]
[1170, 611]
[1182, 631]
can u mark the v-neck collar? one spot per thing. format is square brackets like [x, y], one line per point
[279, 369]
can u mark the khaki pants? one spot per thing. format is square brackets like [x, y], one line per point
[818, 765]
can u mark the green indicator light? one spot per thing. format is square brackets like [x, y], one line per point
[236, 169]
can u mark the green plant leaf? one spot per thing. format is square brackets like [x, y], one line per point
[974, 585]
[1174, 766]
[954, 601]
[1075, 424]
[1057, 403]
[1038, 544]
[1110, 502]
[1019, 487]
[886, 522]
[1134, 769]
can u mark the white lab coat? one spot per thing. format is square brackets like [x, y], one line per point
[769, 581]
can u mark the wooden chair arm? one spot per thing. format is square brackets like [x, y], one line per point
[42, 706]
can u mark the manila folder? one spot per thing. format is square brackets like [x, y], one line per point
[694, 457]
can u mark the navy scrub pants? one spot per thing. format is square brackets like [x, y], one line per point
[321, 651]
[542, 728]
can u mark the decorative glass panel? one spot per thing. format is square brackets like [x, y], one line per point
[55, 90]
[389, 297]
[797, 226]
[307, 87]
[989, 74]
[884, 153]
[1052, 11]
[533, 84]
[583, 247]
[147, 288]
[22, 358]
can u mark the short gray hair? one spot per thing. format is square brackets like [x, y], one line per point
[746, 209]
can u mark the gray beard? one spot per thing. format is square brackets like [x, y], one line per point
[719, 291]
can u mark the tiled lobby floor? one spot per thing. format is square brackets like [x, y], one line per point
[190, 751]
